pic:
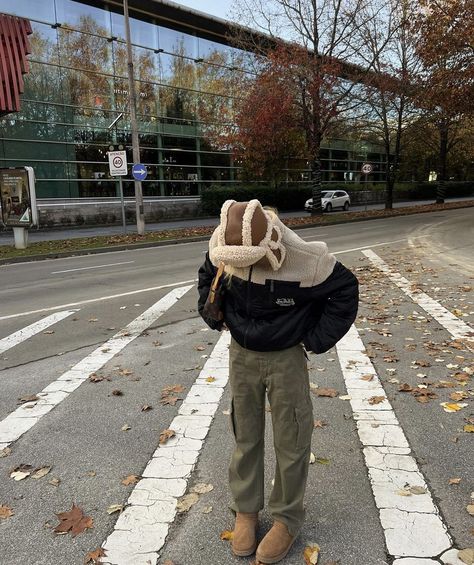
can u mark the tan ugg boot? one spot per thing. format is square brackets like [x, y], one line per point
[276, 544]
[244, 541]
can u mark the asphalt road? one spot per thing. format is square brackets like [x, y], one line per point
[82, 436]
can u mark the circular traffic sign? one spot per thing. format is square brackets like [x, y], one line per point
[367, 168]
[118, 162]
[139, 171]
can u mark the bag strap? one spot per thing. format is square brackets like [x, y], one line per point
[220, 272]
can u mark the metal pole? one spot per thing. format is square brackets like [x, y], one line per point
[133, 123]
[124, 223]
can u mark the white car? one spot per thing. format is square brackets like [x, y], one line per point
[331, 199]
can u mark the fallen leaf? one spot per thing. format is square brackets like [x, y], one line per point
[469, 428]
[5, 452]
[312, 459]
[453, 406]
[117, 392]
[403, 492]
[405, 387]
[367, 378]
[73, 521]
[49, 332]
[466, 555]
[130, 480]
[470, 509]
[186, 501]
[171, 400]
[146, 408]
[94, 557]
[95, 378]
[207, 510]
[320, 423]
[376, 399]
[422, 363]
[345, 397]
[322, 460]
[458, 395]
[201, 488]
[210, 379]
[199, 348]
[54, 482]
[114, 508]
[41, 472]
[166, 435]
[454, 481]
[227, 535]
[327, 392]
[31, 398]
[125, 428]
[311, 554]
[418, 490]
[21, 472]
[5, 512]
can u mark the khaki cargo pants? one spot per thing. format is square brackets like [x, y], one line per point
[283, 375]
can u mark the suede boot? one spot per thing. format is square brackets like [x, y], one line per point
[244, 541]
[276, 544]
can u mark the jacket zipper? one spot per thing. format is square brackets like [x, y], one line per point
[248, 306]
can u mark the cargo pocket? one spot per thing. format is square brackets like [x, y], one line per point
[304, 424]
[232, 419]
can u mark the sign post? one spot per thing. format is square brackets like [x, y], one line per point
[18, 200]
[118, 168]
[366, 170]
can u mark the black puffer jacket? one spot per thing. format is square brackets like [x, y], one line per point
[279, 314]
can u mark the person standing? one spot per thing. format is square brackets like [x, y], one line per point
[283, 296]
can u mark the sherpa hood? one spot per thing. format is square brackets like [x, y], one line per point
[246, 235]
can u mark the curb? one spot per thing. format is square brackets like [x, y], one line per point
[131, 246]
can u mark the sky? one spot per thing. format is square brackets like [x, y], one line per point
[218, 8]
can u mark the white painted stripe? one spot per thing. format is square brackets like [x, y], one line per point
[412, 524]
[27, 415]
[375, 245]
[141, 529]
[456, 327]
[90, 301]
[33, 329]
[94, 267]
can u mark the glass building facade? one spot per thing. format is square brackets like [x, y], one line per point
[186, 81]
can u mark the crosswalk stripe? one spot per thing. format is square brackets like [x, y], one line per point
[456, 327]
[27, 415]
[33, 329]
[412, 525]
[141, 529]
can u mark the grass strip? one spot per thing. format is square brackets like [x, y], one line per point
[111, 241]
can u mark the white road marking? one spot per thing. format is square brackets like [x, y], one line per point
[33, 329]
[90, 301]
[456, 327]
[412, 524]
[27, 415]
[141, 529]
[95, 267]
[374, 245]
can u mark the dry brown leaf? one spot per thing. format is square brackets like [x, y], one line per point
[186, 501]
[452, 406]
[469, 428]
[5, 512]
[466, 555]
[172, 388]
[125, 428]
[5, 452]
[470, 509]
[30, 398]
[146, 408]
[454, 481]
[166, 435]
[130, 480]
[376, 399]
[94, 557]
[114, 508]
[367, 378]
[54, 482]
[311, 554]
[227, 535]
[458, 395]
[117, 392]
[327, 392]
[171, 400]
[391, 359]
[94, 378]
[405, 387]
[422, 363]
[41, 472]
[417, 490]
[320, 423]
[201, 488]
[73, 521]
[21, 472]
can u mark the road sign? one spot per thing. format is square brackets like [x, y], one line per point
[117, 163]
[139, 171]
[367, 168]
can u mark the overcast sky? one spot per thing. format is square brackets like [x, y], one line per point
[219, 8]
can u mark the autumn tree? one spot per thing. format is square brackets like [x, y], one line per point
[318, 65]
[446, 84]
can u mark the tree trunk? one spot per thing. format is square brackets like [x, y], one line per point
[389, 179]
[443, 156]
[316, 183]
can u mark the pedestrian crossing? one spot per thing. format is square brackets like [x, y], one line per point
[140, 533]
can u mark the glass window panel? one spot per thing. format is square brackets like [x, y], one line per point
[141, 33]
[208, 49]
[215, 159]
[83, 51]
[215, 108]
[177, 42]
[91, 91]
[178, 103]
[36, 121]
[177, 71]
[179, 143]
[83, 17]
[215, 79]
[44, 43]
[33, 10]
[43, 83]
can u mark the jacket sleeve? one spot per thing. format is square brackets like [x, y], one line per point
[339, 312]
[206, 274]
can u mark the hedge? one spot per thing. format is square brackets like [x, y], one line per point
[293, 197]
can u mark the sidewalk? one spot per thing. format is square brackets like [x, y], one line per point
[6, 236]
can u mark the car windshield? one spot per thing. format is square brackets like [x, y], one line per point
[326, 194]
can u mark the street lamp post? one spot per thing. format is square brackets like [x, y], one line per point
[133, 123]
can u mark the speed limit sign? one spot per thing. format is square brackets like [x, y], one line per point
[117, 163]
[367, 168]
